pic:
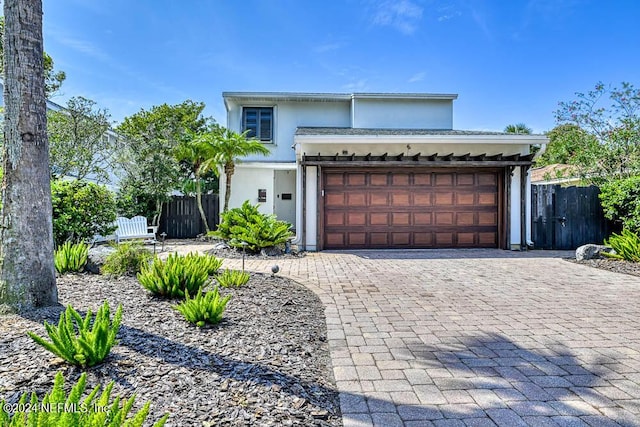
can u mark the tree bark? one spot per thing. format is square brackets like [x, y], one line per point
[199, 202]
[229, 168]
[27, 273]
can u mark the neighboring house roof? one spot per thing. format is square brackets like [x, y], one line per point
[554, 174]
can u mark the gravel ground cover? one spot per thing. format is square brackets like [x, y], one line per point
[267, 363]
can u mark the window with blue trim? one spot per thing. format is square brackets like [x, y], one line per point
[259, 122]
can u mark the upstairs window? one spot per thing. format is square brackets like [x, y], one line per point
[259, 122]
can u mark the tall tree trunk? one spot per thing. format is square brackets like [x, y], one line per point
[199, 202]
[27, 274]
[228, 172]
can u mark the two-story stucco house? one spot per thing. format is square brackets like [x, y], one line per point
[381, 170]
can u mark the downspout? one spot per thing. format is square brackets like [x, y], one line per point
[523, 207]
[304, 207]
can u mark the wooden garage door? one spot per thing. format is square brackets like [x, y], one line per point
[410, 209]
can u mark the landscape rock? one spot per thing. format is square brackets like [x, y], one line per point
[97, 257]
[272, 251]
[592, 251]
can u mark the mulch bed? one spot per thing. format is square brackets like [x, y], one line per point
[267, 363]
[617, 266]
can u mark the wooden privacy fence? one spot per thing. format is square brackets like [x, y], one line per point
[181, 217]
[567, 217]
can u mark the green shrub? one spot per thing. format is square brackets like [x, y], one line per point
[92, 341]
[208, 262]
[172, 277]
[626, 245]
[71, 257]
[129, 258]
[233, 278]
[81, 210]
[621, 201]
[204, 308]
[58, 409]
[247, 224]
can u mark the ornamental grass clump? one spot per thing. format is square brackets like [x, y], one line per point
[233, 278]
[209, 262]
[205, 307]
[59, 409]
[71, 257]
[82, 342]
[626, 245]
[129, 258]
[172, 277]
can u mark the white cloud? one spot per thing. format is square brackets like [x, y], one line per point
[418, 77]
[327, 47]
[403, 15]
[356, 86]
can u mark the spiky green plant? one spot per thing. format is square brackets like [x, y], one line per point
[80, 341]
[205, 307]
[210, 262]
[233, 278]
[626, 245]
[170, 278]
[58, 409]
[248, 226]
[129, 258]
[71, 257]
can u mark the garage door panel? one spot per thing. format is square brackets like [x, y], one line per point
[403, 209]
[466, 239]
[335, 239]
[465, 199]
[378, 179]
[400, 179]
[357, 238]
[401, 199]
[466, 218]
[422, 179]
[487, 199]
[334, 218]
[400, 218]
[465, 179]
[422, 218]
[444, 199]
[356, 199]
[334, 179]
[379, 239]
[487, 179]
[354, 179]
[356, 218]
[401, 239]
[422, 199]
[377, 218]
[334, 199]
[444, 218]
[379, 199]
[444, 179]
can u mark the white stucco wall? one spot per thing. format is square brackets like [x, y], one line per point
[245, 183]
[311, 200]
[288, 116]
[403, 114]
[514, 239]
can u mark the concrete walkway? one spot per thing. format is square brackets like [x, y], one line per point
[476, 337]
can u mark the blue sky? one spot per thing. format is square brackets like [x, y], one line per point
[509, 60]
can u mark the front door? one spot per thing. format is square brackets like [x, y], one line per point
[284, 204]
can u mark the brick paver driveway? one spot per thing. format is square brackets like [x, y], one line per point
[476, 337]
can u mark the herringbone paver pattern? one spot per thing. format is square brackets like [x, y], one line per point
[476, 337]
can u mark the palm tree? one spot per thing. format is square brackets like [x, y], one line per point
[518, 128]
[27, 275]
[195, 153]
[228, 149]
